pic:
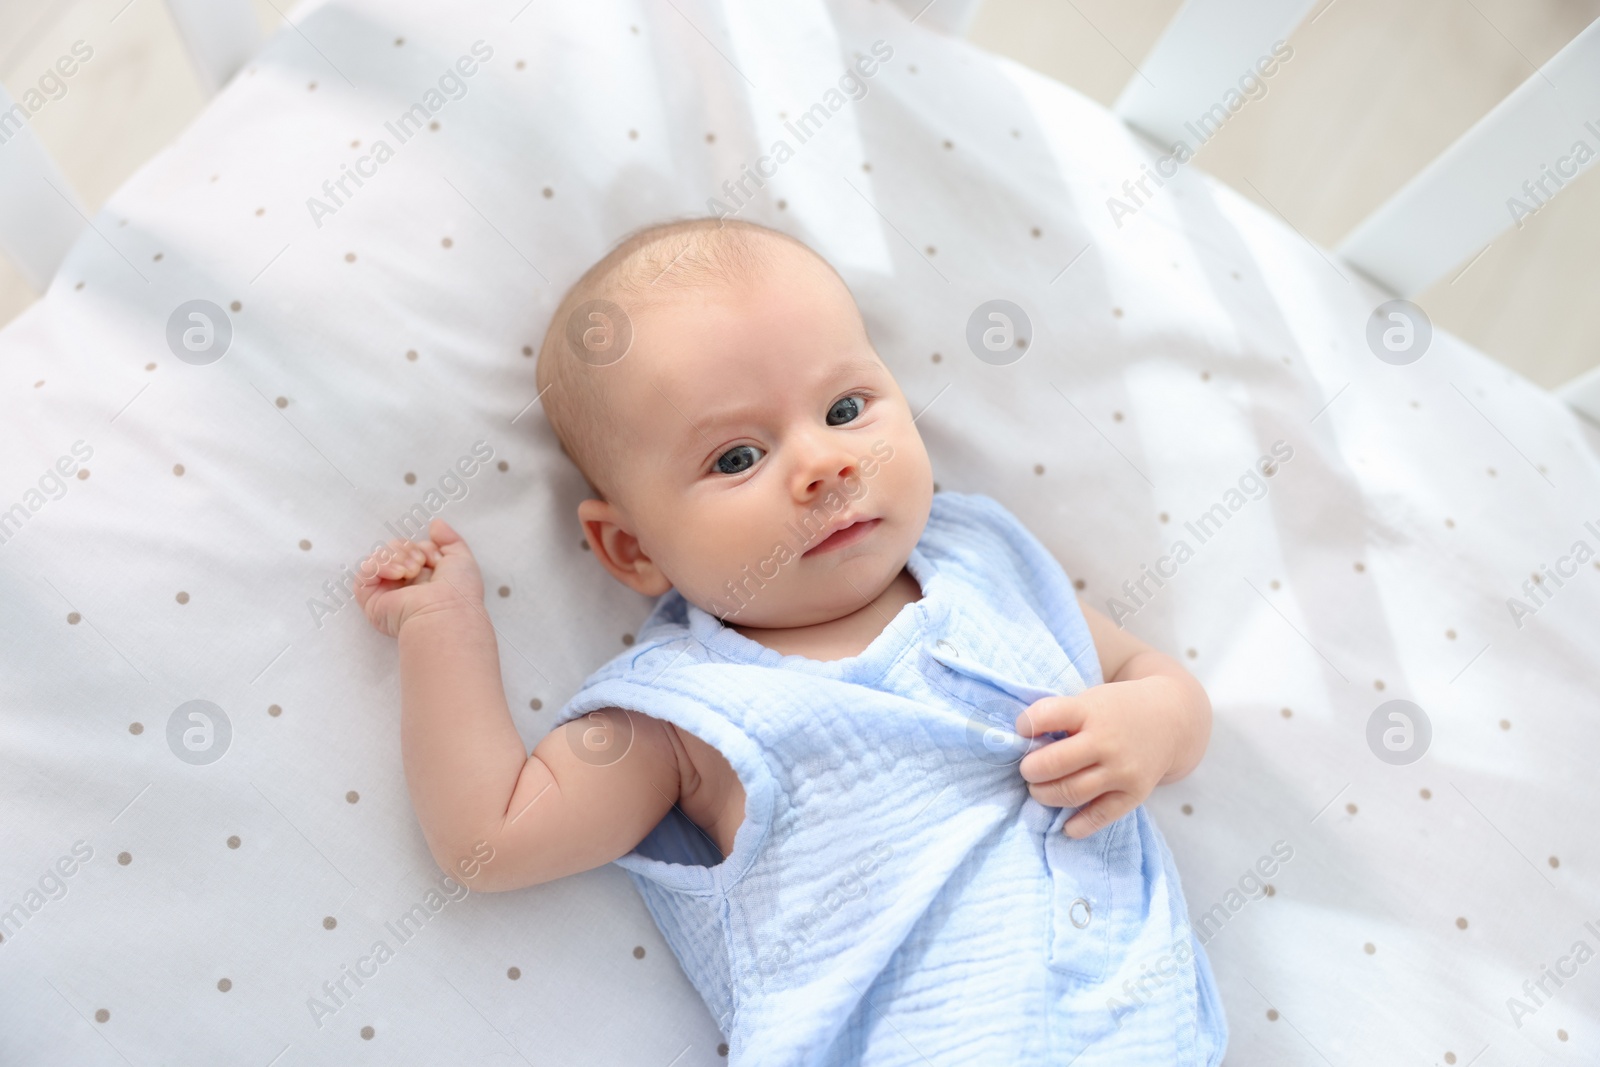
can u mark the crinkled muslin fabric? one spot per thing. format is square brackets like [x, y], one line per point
[894, 894]
[186, 533]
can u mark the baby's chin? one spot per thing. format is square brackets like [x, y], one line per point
[783, 617]
[817, 607]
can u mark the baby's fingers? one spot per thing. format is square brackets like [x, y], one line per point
[1104, 810]
[1051, 714]
[1075, 790]
[396, 561]
[1059, 758]
[404, 562]
[444, 534]
[431, 554]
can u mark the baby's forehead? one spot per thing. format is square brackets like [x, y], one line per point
[710, 257]
[774, 326]
[740, 368]
[721, 310]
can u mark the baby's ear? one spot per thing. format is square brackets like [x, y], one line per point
[618, 550]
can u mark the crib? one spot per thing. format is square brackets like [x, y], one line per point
[1399, 635]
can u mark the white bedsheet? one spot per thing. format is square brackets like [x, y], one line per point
[1169, 354]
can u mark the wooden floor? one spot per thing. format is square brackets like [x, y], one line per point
[1375, 89]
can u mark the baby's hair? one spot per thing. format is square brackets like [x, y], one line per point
[646, 267]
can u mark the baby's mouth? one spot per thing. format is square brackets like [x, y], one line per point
[846, 536]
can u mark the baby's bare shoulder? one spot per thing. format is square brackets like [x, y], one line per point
[631, 765]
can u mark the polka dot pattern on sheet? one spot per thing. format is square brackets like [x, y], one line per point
[722, 145]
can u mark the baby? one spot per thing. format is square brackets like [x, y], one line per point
[860, 761]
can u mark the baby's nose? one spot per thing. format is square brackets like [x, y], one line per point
[836, 471]
[820, 483]
[825, 461]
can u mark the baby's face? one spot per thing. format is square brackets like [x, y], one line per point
[756, 419]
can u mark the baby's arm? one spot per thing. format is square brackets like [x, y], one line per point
[576, 803]
[1149, 724]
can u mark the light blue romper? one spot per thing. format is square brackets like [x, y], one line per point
[894, 895]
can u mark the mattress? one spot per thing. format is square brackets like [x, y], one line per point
[302, 324]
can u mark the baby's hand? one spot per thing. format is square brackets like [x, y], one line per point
[1125, 737]
[404, 579]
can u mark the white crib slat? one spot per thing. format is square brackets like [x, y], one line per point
[1203, 53]
[1495, 175]
[220, 36]
[947, 16]
[40, 215]
[1582, 394]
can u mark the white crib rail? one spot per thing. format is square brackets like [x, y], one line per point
[947, 16]
[220, 36]
[1582, 394]
[1510, 164]
[1506, 167]
[40, 214]
[1204, 51]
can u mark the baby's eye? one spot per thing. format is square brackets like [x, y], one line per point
[738, 459]
[845, 409]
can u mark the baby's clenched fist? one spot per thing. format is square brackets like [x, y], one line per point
[405, 579]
